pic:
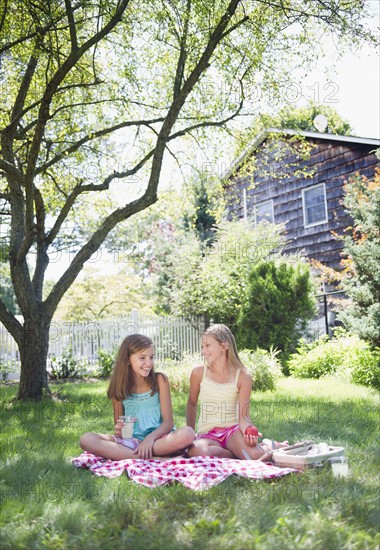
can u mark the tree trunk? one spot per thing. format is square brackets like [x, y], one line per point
[33, 353]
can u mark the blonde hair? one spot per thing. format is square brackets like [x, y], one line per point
[223, 335]
[123, 378]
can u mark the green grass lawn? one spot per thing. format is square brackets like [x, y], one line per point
[48, 503]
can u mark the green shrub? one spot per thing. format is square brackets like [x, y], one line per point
[106, 361]
[263, 366]
[365, 370]
[179, 372]
[5, 370]
[67, 366]
[346, 356]
[317, 359]
[279, 303]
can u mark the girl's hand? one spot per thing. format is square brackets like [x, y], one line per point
[118, 426]
[145, 449]
[252, 440]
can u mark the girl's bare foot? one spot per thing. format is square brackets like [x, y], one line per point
[271, 445]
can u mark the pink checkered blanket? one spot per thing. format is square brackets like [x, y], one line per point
[198, 473]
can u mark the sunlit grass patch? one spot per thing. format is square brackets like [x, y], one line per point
[48, 503]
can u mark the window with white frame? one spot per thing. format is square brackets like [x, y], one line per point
[263, 212]
[314, 205]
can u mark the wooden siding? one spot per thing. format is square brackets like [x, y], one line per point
[330, 163]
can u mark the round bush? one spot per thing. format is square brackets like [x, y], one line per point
[346, 356]
[179, 372]
[314, 361]
[280, 300]
[366, 369]
[263, 366]
[106, 361]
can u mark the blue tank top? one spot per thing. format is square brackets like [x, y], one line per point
[146, 408]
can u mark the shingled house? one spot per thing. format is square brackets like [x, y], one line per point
[273, 182]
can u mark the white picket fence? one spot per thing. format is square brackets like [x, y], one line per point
[173, 337]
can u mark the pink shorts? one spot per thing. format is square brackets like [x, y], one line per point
[221, 435]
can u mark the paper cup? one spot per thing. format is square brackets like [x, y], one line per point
[127, 426]
[127, 429]
[339, 466]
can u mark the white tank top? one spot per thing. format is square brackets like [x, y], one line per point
[218, 404]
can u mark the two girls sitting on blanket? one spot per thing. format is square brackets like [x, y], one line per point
[223, 387]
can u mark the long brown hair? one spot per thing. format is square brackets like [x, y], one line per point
[123, 378]
[223, 335]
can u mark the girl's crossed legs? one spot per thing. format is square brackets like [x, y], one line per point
[213, 443]
[228, 443]
[105, 446]
[208, 447]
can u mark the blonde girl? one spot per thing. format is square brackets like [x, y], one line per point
[223, 387]
[138, 391]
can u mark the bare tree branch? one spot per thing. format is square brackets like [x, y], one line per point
[87, 188]
[20, 133]
[23, 90]
[238, 24]
[71, 20]
[207, 124]
[94, 135]
[54, 180]
[3, 15]
[11, 170]
[180, 71]
[97, 314]
[10, 322]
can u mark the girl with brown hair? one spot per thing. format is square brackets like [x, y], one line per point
[139, 392]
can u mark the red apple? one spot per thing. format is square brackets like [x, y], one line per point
[251, 430]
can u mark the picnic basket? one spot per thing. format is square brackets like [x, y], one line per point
[306, 456]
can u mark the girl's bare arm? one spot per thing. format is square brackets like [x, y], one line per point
[191, 407]
[166, 407]
[245, 388]
[118, 410]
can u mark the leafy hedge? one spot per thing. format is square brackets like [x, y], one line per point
[106, 362]
[263, 366]
[67, 365]
[346, 356]
[178, 372]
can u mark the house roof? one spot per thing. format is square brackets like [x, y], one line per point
[316, 135]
